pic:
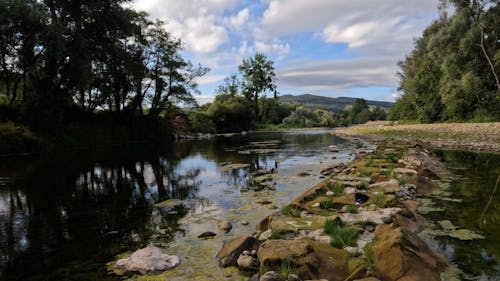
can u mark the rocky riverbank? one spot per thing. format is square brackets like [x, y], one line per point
[361, 223]
[463, 136]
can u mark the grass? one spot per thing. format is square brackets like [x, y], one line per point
[342, 236]
[277, 234]
[338, 190]
[326, 205]
[369, 256]
[291, 211]
[287, 267]
[369, 163]
[378, 199]
[353, 209]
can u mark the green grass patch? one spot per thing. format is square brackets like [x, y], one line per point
[287, 267]
[353, 209]
[378, 199]
[342, 236]
[291, 211]
[326, 205]
[368, 252]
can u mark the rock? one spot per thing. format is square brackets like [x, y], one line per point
[329, 193]
[246, 261]
[353, 178]
[149, 260]
[270, 276]
[265, 235]
[225, 226]
[293, 277]
[263, 225]
[355, 251]
[207, 234]
[263, 202]
[232, 249]
[368, 216]
[271, 206]
[399, 254]
[303, 174]
[365, 238]
[465, 234]
[368, 279]
[254, 277]
[170, 203]
[333, 148]
[272, 252]
[253, 253]
[350, 190]
[390, 186]
[386, 220]
[425, 185]
[406, 171]
[245, 223]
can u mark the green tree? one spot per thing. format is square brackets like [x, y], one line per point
[258, 77]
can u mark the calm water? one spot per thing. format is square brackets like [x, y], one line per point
[65, 218]
[474, 205]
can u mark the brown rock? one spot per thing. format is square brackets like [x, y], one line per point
[225, 225]
[232, 249]
[425, 185]
[368, 279]
[399, 254]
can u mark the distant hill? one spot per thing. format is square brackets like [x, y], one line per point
[332, 104]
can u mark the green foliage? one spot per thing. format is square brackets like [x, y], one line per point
[200, 122]
[368, 253]
[338, 189]
[258, 77]
[231, 113]
[291, 210]
[287, 267]
[303, 117]
[342, 236]
[326, 205]
[447, 77]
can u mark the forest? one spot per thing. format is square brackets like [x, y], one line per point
[452, 74]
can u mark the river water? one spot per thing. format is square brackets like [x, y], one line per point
[66, 217]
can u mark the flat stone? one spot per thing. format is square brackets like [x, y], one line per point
[207, 234]
[232, 249]
[270, 276]
[149, 260]
[225, 226]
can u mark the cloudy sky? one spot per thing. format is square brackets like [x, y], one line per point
[324, 47]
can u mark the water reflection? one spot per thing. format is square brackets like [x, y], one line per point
[86, 212]
[65, 218]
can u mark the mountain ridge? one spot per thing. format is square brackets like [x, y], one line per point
[332, 104]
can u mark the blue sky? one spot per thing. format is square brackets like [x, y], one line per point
[324, 47]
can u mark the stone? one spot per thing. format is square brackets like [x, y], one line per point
[265, 235]
[246, 261]
[390, 186]
[272, 207]
[232, 249]
[303, 174]
[368, 279]
[293, 277]
[270, 276]
[207, 234]
[364, 239]
[263, 202]
[330, 193]
[465, 234]
[170, 203]
[149, 260]
[369, 216]
[399, 254]
[245, 223]
[225, 226]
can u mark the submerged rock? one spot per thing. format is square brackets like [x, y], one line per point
[225, 226]
[207, 234]
[149, 260]
[246, 261]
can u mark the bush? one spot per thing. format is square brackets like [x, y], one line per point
[200, 122]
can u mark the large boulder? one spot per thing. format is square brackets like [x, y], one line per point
[233, 248]
[150, 260]
[310, 260]
[399, 254]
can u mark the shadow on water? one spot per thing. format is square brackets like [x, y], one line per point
[473, 183]
[65, 217]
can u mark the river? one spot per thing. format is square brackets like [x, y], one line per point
[66, 217]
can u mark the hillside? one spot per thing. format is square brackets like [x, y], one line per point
[332, 104]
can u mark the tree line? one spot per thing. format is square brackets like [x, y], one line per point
[452, 74]
[60, 59]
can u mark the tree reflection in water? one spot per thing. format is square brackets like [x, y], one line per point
[81, 214]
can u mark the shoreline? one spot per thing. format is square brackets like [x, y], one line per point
[482, 137]
[388, 220]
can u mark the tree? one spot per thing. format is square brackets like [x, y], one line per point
[258, 77]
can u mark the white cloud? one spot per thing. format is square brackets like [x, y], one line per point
[240, 19]
[196, 22]
[339, 74]
[274, 47]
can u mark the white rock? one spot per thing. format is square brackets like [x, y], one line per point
[149, 260]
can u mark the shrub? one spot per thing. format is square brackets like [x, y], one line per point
[19, 139]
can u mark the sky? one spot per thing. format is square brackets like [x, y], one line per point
[323, 47]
